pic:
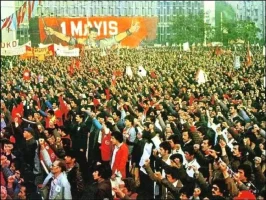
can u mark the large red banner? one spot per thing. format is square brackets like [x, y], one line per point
[107, 26]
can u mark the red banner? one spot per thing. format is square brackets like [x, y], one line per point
[107, 26]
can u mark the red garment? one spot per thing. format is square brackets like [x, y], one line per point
[50, 152]
[59, 117]
[106, 147]
[121, 160]
[107, 92]
[191, 100]
[96, 102]
[3, 181]
[17, 110]
[62, 106]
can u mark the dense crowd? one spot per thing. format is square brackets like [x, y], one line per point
[83, 128]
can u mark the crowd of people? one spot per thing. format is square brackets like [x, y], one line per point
[83, 128]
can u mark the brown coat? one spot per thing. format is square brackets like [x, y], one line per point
[169, 191]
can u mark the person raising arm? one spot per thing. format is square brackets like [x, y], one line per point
[92, 35]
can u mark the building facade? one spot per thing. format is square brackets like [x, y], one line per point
[164, 10]
[253, 11]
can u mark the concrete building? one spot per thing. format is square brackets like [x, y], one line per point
[251, 10]
[164, 10]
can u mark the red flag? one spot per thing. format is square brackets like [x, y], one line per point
[248, 57]
[21, 13]
[218, 51]
[96, 102]
[7, 22]
[51, 49]
[30, 8]
[107, 92]
[113, 83]
[26, 75]
[50, 152]
[153, 74]
[77, 64]
[118, 73]
[18, 109]
[71, 70]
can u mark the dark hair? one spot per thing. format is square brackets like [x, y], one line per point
[130, 118]
[118, 113]
[210, 141]
[247, 170]
[93, 29]
[118, 136]
[252, 137]
[166, 146]
[177, 155]
[189, 133]
[241, 148]
[62, 128]
[174, 138]
[130, 184]
[221, 184]
[189, 149]
[103, 170]
[71, 153]
[171, 171]
[51, 112]
[81, 115]
[153, 119]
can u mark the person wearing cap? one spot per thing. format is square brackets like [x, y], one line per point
[30, 148]
[74, 175]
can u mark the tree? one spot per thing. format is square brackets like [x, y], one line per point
[243, 29]
[190, 28]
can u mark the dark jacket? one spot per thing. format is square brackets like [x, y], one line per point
[104, 190]
[76, 181]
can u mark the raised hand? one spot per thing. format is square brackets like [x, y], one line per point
[134, 26]
[49, 30]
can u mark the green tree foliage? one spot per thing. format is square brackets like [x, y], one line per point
[243, 29]
[190, 28]
[224, 14]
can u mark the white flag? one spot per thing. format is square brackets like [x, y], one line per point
[186, 46]
[129, 71]
[141, 71]
[201, 77]
[237, 62]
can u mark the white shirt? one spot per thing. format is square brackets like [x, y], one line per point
[114, 153]
[189, 168]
